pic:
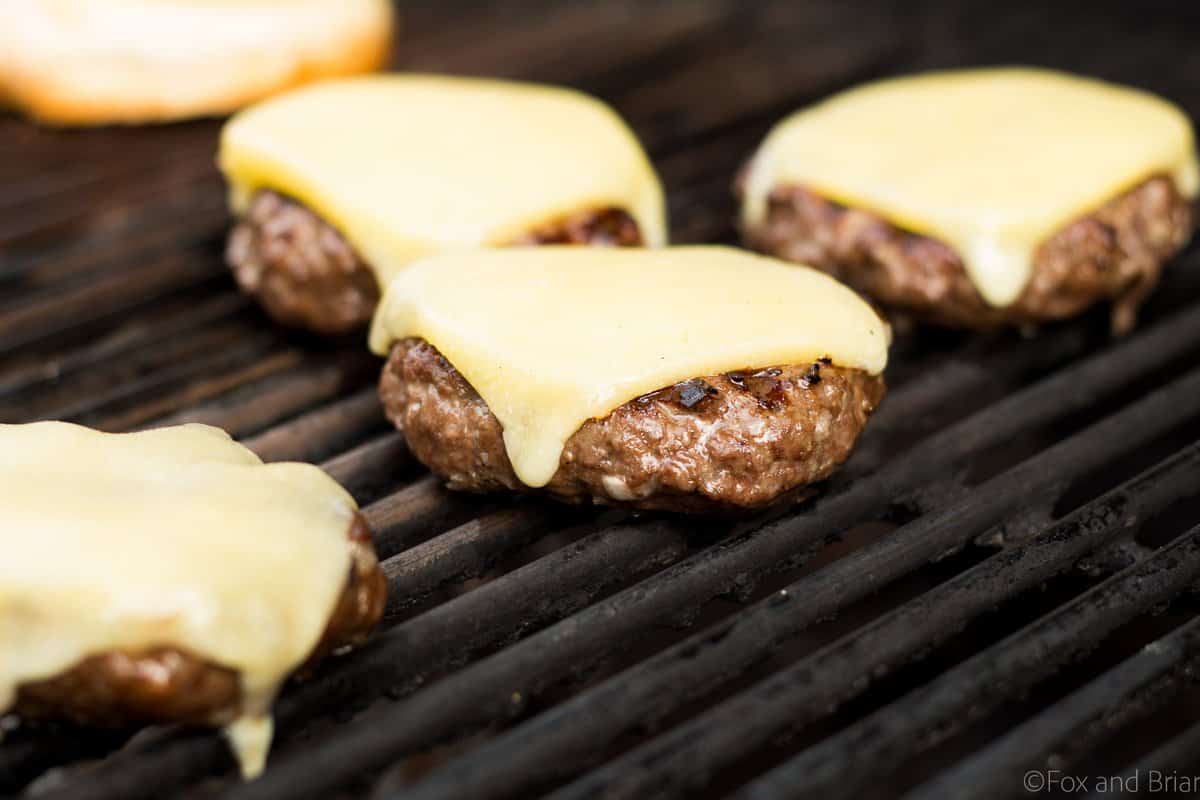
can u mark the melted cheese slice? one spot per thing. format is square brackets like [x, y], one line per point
[408, 165]
[173, 537]
[990, 161]
[553, 336]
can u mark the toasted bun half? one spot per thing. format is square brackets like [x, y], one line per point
[79, 62]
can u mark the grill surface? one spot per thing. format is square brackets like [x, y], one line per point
[1001, 579]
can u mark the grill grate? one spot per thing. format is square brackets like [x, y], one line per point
[1001, 578]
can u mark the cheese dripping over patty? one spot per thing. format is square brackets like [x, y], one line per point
[408, 165]
[176, 537]
[551, 337]
[990, 161]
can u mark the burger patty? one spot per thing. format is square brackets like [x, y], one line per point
[1113, 254]
[305, 273]
[729, 442]
[167, 684]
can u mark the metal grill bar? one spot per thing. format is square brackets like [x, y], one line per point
[549, 588]
[223, 375]
[367, 469]
[216, 352]
[416, 513]
[1178, 753]
[156, 235]
[242, 409]
[465, 698]
[37, 223]
[812, 687]
[513, 764]
[77, 393]
[99, 355]
[886, 738]
[68, 181]
[105, 297]
[1167, 361]
[994, 770]
[552, 587]
[465, 552]
[319, 433]
[118, 312]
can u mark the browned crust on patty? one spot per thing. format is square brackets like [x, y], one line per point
[300, 269]
[718, 443]
[305, 274]
[1114, 254]
[167, 684]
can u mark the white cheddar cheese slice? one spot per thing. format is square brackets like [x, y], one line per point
[990, 161]
[176, 537]
[408, 165]
[551, 337]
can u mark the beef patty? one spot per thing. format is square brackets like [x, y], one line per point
[1114, 254]
[717, 443]
[305, 273]
[166, 684]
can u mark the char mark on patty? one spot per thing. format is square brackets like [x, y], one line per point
[731, 442]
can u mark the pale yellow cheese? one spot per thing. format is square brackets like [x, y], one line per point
[173, 537]
[553, 336]
[991, 161]
[407, 165]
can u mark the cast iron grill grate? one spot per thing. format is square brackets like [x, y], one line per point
[1000, 580]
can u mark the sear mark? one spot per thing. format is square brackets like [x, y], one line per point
[813, 376]
[692, 392]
